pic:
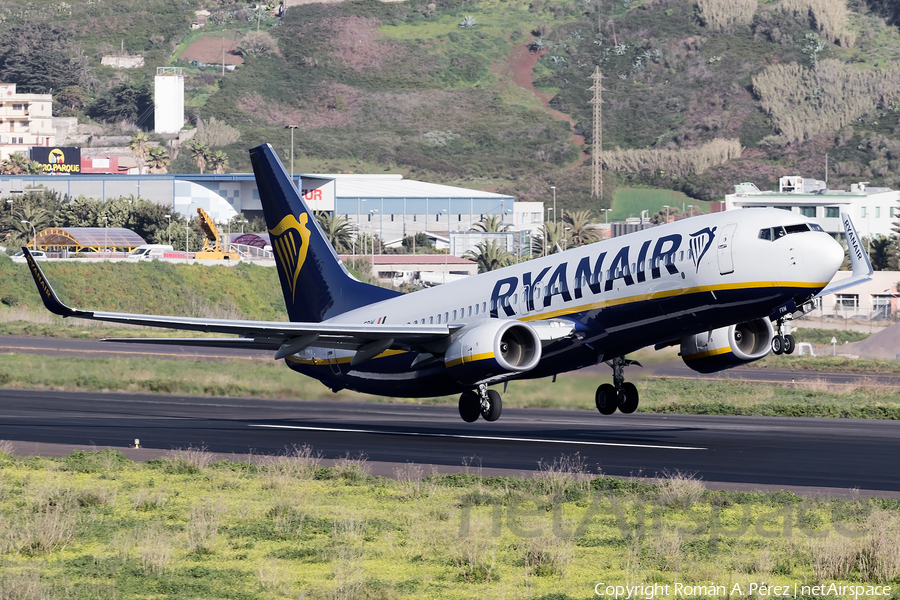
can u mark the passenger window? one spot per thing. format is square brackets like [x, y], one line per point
[439, 319]
[454, 314]
[446, 317]
[681, 256]
[484, 307]
[470, 311]
[431, 320]
[515, 298]
[476, 309]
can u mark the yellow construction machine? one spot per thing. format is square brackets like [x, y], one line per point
[212, 246]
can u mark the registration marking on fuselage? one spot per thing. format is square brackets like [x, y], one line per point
[490, 438]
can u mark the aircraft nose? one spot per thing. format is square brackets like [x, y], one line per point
[824, 257]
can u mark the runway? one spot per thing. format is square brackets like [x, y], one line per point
[734, 451]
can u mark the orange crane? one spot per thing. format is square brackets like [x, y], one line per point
[212, 246]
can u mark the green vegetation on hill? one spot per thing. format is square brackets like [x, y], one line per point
[442, 90]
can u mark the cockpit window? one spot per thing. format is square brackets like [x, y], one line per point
[774, 233]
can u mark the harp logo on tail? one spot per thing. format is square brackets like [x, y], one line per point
[700, 243]
[290, 240]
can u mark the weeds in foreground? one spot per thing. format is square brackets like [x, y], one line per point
[226, 532]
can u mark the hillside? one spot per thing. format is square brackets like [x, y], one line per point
[494, 94]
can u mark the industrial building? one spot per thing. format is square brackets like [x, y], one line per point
[873, 209]
[386, 206]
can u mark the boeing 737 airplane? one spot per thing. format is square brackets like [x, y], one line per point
[723, 286]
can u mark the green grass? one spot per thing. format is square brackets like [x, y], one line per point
[94, 525]
[629, 202]
[264, 378]
[242, 291]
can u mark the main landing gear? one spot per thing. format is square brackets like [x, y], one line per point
[621, 394]
[482, 402]
[783, 342]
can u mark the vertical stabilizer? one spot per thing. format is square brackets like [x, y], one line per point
[316, 285]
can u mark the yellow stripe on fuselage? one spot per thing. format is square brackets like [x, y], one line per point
[668, 294]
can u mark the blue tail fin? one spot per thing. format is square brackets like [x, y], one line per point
[316, 285]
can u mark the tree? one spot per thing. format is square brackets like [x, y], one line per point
[259, 43]
[882, 252]
[217, 161]
[550, 240]
[139, 148]
[200, 154]
[337, 229]
[40, 57]
[215, 133]
[19, 164]
[127, 101]
[489, 255]
[580, 231]
[418, 243]
[158, 160]
[493, 223]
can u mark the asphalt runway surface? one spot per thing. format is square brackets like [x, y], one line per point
[764, 452]
[760, 451]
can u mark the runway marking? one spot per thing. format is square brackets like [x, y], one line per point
[477, 437]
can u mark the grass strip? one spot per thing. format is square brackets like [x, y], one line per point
[95, 525]
[263, 378]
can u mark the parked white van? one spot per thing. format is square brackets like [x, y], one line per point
[150, 251]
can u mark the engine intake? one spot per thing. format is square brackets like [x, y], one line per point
[493, 348]
[728, 347]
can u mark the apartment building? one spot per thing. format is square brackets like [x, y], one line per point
[26, 120]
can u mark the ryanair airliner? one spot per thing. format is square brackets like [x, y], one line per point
[722, 286]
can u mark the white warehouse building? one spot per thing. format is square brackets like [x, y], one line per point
[873, 209]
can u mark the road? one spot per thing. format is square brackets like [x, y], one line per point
[734, 451]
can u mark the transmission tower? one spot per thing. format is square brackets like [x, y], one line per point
[597, 143]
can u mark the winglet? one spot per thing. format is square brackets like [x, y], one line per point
[859, 260]
[51, 300]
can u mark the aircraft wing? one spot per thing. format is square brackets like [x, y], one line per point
[285, 337]
[859, 261]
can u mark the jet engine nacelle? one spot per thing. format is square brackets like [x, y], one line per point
[728, 347]
[493, 348]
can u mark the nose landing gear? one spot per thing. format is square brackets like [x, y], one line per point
[483, 402]
[783, 342]
[622, 395]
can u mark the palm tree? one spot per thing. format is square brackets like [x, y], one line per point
[882, 253]
[492, 223]
[16, 164]
[217, 161]
[139, 148]
[158, 159]
[489, 255]
[337, 229]
[550, 241]
[200, 154]
[581, 231]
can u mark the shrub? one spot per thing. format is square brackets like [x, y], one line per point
[723, 15]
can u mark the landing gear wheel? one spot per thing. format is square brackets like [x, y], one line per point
[606, 399]
[777, 344]
[491, 412]
[789, 344]
[469, 407]
[628, 398]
